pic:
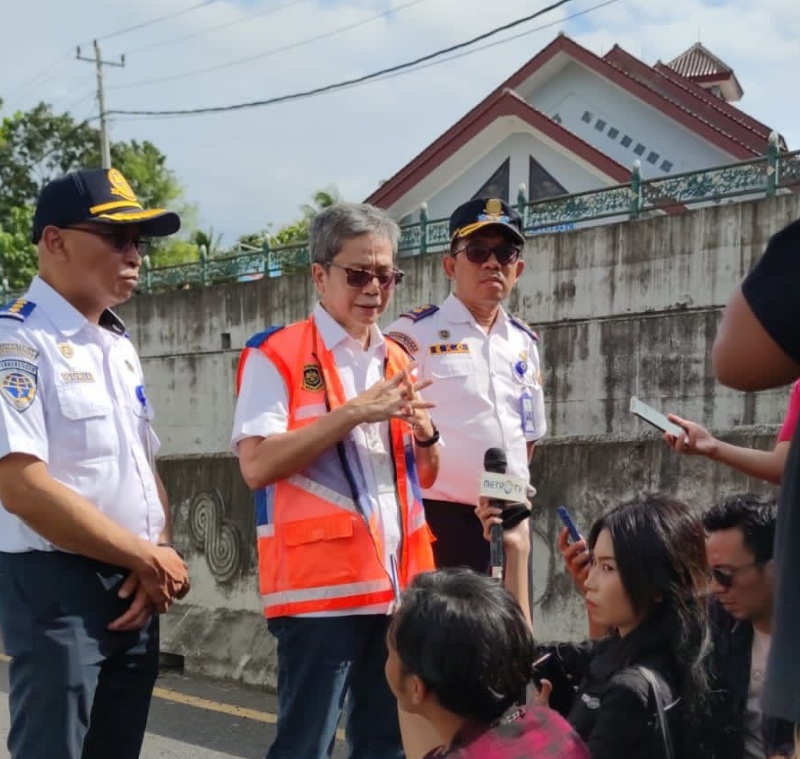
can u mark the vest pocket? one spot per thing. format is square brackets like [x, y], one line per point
[321, 528]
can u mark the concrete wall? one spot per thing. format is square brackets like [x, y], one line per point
[622, 309]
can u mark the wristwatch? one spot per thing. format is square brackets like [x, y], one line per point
[432, 440]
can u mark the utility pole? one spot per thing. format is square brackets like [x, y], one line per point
[105, 144]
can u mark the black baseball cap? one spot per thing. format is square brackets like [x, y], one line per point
[101, 195]
[483, 212]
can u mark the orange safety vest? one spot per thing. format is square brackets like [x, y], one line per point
[320, 537]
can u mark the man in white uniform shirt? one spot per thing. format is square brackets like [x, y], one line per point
[484, 363]
[85, 555]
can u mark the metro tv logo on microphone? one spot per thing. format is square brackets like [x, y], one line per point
[503, 487]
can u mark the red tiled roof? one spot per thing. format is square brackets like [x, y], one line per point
[699, 62]
[497, 105]
[713, 110]
[489, 109]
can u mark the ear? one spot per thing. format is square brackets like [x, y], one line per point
[449, 265]
[319, 274]
[417, 690]
[52, 242]
[520, 267]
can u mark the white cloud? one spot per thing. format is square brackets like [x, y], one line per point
[247, 168]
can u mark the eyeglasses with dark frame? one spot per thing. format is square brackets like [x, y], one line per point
[479, 252]
[360, 278]
[119, 239]
[725, 576]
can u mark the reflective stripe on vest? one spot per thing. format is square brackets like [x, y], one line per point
[320, 541]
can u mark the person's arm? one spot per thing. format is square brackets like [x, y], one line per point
[264, 461]
[745, 356]
[758, 342]
[166, 533]
[623, 727]
[66, 519]
[698, 441]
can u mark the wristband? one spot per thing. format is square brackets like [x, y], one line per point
[170, 545]
[432, 440]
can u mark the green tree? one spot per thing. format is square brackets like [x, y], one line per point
[18, 261]
[39, 145]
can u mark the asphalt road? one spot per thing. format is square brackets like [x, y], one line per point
[195, 718]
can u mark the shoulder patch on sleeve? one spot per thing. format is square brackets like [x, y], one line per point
[519, 324]
[257, 340]
[404, 340]
[420, 312]
[19, 309]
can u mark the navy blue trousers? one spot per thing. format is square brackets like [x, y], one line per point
[77, 691]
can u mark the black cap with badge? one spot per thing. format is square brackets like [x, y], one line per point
[483, 212]
[99, 195]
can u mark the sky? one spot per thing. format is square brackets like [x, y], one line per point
[245, 169]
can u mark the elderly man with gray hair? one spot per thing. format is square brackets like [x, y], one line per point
[335, 440]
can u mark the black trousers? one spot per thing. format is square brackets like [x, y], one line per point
[77, 691]
[459, 535]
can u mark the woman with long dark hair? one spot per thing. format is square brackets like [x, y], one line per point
[645, 589]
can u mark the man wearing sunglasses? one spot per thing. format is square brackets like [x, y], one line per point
[86, 561]
[484, 364]
[740, 532]
[334, 438]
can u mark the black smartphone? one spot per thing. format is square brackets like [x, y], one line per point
[549, 667]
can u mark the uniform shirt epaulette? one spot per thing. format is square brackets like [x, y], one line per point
[519, 324]
[19, 309]
[420, 312]
[257, 340]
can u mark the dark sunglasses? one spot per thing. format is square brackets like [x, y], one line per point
[119, 239]
[479, 253]
[360, 278]
[725, 577]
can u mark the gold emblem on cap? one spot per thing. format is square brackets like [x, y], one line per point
[494, 207]
[444, 334]
[67, 351]
[120, 186]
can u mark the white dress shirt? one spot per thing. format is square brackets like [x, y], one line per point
[73, 396]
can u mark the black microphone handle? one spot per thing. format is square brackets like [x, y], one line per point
[496, 554]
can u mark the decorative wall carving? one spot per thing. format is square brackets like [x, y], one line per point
[215, 536]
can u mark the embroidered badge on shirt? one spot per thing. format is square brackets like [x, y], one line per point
[312, 378]
[73, 377]
[438, 350]
[19, 350]
[420, 312]
[18, 382]
[67, 351]
[405, 340]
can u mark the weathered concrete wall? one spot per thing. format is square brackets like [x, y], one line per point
[626, 309]
[220, 631]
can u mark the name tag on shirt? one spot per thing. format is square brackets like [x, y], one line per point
[526, 413]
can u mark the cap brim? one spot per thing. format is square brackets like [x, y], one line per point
[470, 229]
[153, 222]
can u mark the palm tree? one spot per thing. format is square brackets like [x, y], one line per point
[324, 198]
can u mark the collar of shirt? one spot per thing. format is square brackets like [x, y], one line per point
[65, 317]
[456, 312]
[333, 333]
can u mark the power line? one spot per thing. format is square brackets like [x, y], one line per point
[218, 27]
[42, 76]
[348, 82]
[153, 21]
[267, 53]
[439, 61]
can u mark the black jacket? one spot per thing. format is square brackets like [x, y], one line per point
[732, 641]
[614, 708]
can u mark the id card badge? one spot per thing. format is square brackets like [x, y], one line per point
[526, 413]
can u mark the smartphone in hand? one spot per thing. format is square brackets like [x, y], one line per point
[563, 514]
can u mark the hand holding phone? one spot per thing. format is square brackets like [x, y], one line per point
[656, 418]
[568, 523]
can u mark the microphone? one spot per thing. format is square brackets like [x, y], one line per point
[494, 460]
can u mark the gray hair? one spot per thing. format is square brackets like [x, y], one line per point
[333, 226]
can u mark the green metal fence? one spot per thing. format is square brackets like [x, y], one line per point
[773, 173]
